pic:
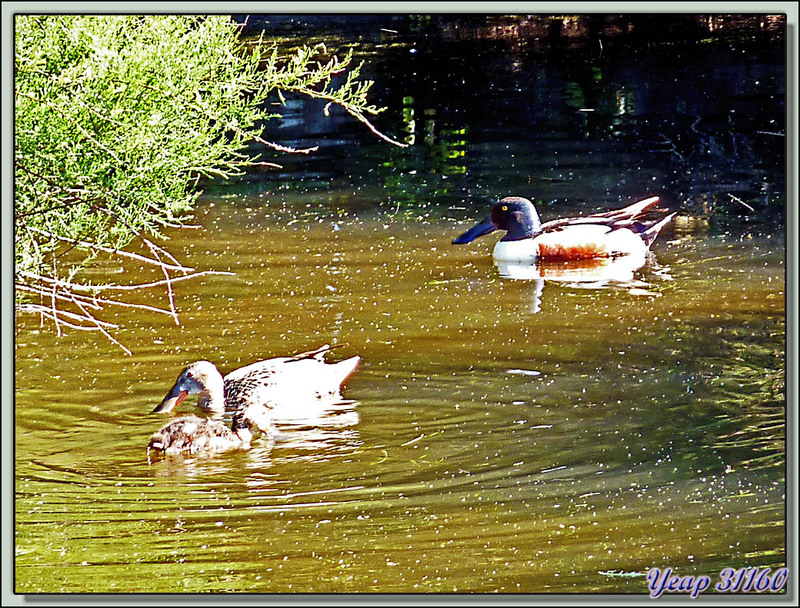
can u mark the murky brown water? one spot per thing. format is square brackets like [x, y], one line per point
[501, 439]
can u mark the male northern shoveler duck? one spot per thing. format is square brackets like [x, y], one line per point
[300, 379]
[193, 434]
[601, 235]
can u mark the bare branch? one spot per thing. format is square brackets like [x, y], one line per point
[63, 314]
[170, 293]
[118, 252]
[350, 110]
[95, 303]
[359, 116]
[740, 201]
[264, 163]
[102, 329]
[82, 287]
[53, 301]
[281, 148]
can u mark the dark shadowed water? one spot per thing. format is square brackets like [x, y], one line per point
[503, 433]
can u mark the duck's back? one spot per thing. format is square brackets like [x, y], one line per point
[285, 380]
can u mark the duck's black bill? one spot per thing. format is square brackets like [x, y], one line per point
[484, 227]
[173, 398]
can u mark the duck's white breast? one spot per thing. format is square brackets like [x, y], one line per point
[525, 250]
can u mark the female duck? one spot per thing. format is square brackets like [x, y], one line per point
[193, 434]
[299, 379]
[601, 235]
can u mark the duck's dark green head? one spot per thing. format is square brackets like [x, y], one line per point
[514, 214]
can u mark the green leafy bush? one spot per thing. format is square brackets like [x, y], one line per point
[117, 117]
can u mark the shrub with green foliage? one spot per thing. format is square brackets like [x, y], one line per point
[116, 118]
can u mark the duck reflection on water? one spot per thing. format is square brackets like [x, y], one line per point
[588, 272]
[595, 273]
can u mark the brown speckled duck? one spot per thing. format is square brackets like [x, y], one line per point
[193, 434]
[298, 379]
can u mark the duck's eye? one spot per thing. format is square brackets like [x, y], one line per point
[504, 208]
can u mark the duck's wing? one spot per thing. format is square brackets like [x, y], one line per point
[627, 217]
[248, 385]
[317, 353]
[629, 212]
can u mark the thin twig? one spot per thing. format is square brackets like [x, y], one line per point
[53, 300]
[168, 281]
[355, 113]
[363, 119]
[47, 312]
[102, 329]
[281, 148]
[94, 302]
[82, 287]
[118, 252]
[738, 200]
[261, 163]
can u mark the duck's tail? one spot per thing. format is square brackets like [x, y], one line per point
[649, 235]
[340, 370]
[346, 368]
[631, 217]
